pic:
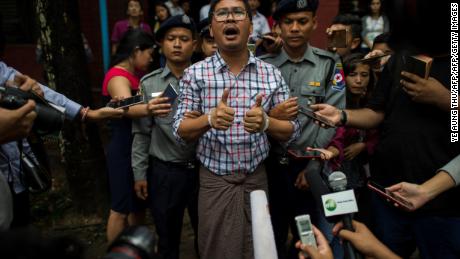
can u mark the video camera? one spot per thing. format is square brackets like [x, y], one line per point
[48, 118]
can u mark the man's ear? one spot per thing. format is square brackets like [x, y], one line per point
[195, 44]
[355, 43]
[315, 22]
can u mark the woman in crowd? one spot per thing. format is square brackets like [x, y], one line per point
[161, 14]
[135, 14]
[134, 54]
[350, 148]
[374, 24]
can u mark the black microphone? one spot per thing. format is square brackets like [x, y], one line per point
[338, 183]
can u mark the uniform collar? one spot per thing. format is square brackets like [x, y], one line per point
[166, 71]
[307, 56]
[221, 62]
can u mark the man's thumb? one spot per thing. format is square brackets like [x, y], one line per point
[259, 100]
[225, 96]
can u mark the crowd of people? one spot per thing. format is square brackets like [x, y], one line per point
[240, 80]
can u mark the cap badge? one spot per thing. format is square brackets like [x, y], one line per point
[301, 4]
[185, 19]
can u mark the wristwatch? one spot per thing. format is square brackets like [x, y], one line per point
[343, 118]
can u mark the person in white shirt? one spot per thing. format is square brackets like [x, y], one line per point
[259, 23]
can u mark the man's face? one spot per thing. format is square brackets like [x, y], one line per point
[134, 9]
[254, 4]
[208, 46]
[296, 28]
[178, 45]
[230, 25]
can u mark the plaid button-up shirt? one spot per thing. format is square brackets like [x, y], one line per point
[234, 150]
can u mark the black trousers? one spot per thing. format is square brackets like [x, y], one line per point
[287, 202]
[172, 188]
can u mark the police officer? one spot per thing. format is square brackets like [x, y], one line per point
[172, 180]
[313, 76]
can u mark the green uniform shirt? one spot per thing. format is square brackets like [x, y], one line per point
[316, 78]
[154, 135]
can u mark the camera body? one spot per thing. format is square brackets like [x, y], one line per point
[48, 119]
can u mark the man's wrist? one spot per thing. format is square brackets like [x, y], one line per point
[210, 117]
[266, 124]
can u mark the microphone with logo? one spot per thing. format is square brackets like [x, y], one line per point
[341, 202]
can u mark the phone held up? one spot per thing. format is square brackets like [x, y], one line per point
[389, 196]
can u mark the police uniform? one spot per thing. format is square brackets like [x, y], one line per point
[173, 173]
[316, 78]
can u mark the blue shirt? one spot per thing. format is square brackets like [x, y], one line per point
[9, 152]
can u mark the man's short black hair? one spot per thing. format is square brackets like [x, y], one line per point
[215, 2]
[352, 20]
[382, 38]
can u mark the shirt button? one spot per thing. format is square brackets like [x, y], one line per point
[292, 89]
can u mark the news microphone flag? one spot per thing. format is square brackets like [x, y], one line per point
[262, 230]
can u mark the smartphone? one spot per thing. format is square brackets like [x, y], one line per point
[171, 93]
[419, 65]
[305, 229]
[338, 39]
[304, 154]
[372, 60]
[310, 113]
[407, 205]
[127, 102]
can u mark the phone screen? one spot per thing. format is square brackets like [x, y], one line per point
[304, 153]
[171, 93]
[313, 115]
[387, 194]
[127, 102]
[338, 39]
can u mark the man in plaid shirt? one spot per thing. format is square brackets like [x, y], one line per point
[234, 91]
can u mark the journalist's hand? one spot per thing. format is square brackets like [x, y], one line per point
[16, 124]
[429, 91]
[323, 250]
[328, 111]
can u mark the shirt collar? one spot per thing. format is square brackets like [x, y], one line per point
[166, 71]
[221, 62]
[307, 56]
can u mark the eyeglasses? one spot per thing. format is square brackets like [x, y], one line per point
[222, 15]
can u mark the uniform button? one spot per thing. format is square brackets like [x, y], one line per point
[295, 70]
[292, 89]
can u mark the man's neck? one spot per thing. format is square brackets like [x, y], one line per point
[235, 60]
[177, 69]
[296, 54]
[254, 12]
[134, 21]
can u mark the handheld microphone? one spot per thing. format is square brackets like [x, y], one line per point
[338, 183]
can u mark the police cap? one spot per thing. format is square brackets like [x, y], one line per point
[175, 21]
[293, 6]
